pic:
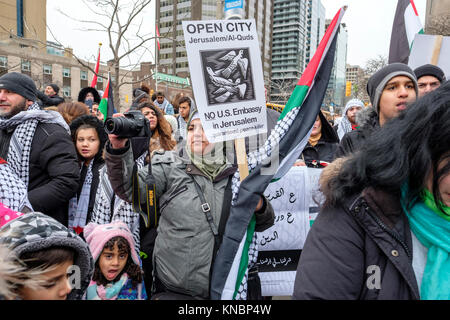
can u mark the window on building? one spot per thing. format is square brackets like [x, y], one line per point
[66, 72]
[47, 69]
[84, 75]
[26, 65]
[67, 92]
[3, 62]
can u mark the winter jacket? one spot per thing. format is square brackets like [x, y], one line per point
[36, 231]
[98, 159]
[361, 249]
[53, 169]
[48, 101]
[354, 140]
[325, 148]
[184, 244]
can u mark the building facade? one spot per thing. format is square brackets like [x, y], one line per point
[172, 58]
[59, 67]
[288, 51]
[358, 79]
[315, 27]
[20, 18]
[437, 17]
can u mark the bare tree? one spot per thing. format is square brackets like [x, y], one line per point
[122, 21]
[280, 89]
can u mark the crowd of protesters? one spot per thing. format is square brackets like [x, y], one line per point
[68, 191]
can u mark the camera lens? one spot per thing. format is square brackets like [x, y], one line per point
[113, 126]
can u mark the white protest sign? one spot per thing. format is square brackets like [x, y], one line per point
[279, 247]
[227, 78]
[422, 52]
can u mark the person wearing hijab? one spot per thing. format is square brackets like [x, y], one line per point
[191, 193]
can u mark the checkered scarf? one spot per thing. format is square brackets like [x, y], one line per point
[122, 210]
[78, 206]
[22, 138]
[255, 159]
[13, 191]
[343, 127]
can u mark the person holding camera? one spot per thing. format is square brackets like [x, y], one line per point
[139, 124]
[194, 198]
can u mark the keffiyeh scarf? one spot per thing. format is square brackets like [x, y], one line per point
[344, 127]
[78, 208]
[108, 207]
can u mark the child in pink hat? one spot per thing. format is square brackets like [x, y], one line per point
[117, 274]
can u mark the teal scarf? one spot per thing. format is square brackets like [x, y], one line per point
[433, 231]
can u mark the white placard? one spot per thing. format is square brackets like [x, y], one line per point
[227, 78]
[279, 247]
[422, 52]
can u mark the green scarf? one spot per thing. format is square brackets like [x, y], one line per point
[433, 231]
[209, 165]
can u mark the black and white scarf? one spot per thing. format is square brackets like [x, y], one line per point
[13, 191]
[122, 210]
[79, 206]
[22, 138]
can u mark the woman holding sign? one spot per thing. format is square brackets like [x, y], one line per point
[194, 196]
[384, 231]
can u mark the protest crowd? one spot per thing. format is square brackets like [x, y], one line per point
[135, 205]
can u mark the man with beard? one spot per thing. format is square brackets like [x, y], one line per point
[37, 146]
[348, 122]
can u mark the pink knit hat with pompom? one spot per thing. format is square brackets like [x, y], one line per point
[97, 235]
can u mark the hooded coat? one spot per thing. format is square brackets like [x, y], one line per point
[98, 161]
[83, 93]
[361, 250]
[325, 148]
[36, 231]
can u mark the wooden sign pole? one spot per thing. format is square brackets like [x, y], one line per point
[241, 157]
[436, 50]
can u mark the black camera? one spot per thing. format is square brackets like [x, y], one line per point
[134, 124]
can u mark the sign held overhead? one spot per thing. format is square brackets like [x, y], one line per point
[227, 78]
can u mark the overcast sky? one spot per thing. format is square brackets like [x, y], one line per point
[369, 25]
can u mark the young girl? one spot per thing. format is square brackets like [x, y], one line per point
[117, 274]
[89, 138]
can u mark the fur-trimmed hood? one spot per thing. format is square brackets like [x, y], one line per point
[83, 93]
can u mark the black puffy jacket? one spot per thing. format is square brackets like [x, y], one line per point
[361, 250]
[54, 173]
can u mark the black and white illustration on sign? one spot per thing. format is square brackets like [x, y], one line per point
[228, 76]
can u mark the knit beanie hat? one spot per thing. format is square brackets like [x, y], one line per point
[19, 83]
[97, 235]
[54, 86]
[378, 81]
[430, 70]
[352, 103]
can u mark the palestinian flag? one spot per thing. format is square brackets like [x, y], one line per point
[106, 105]
[238, 250]
[97, 67]
[406, 25]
